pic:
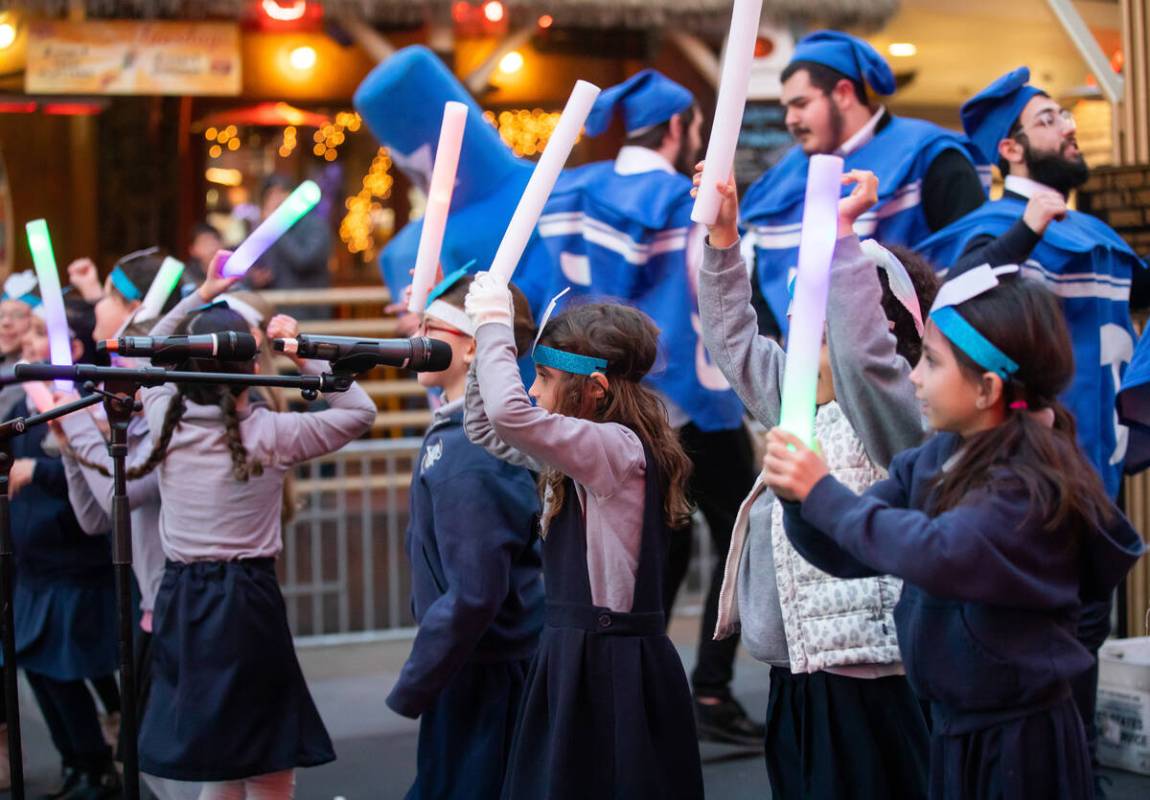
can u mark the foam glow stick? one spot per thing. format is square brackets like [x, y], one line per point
[165, 282]
[39, 397]
[543, 179]
[56, 320]
[438, 203]
[305, 197]
[809, 308]
[729, 107]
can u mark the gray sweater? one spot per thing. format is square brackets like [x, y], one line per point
[605, 460]
[871, 385]
[208, 515]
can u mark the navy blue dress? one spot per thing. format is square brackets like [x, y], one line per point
[64, 592]
[607, 712]
[987, 619]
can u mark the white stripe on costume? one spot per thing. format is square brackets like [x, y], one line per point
[600, 233]
[786, 237]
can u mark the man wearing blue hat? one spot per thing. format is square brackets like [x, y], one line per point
[1081, 259]
[927, 175]
[623, 229]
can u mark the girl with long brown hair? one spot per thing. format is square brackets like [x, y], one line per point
[1001, 531]
[607, 711]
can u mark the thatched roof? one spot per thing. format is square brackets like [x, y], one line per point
[695, 14]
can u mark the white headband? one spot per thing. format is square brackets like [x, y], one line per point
[455, 317]
[970, 284]
[901, 286]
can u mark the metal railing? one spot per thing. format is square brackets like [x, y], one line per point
[344, 568]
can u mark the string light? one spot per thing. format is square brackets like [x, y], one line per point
[365, 212]
[328, 138]
[290, 142]
[526, 132]
[493, 11]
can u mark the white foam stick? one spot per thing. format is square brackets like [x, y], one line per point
[729, 108]
[39, 397]
[543, 179]
[438, 203]
[165, 282]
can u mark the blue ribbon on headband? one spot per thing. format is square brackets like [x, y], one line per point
[28, 299]
[438, 290]
[966, 338]
[564, 361]
[124, 284]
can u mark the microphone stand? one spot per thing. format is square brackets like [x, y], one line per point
[119, 402]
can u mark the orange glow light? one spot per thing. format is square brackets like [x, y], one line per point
[546, 21]
[493, 11]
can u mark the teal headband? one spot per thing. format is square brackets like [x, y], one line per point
[28, 299]
[450, 280]
[563, 361]
[124, 284]
[966, 338]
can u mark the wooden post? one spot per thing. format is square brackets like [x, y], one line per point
[1132, 123]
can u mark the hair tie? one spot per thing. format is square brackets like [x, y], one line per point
[1020, 405]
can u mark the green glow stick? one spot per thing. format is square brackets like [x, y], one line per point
[165, 282]
[305, 197]
[55, 318]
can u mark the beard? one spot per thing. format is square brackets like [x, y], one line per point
[686, 158]
[837, 124]
[1056, 170]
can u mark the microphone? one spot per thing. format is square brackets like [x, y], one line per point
[419, 353]
[226, 346]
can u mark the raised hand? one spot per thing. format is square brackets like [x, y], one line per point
[85, 279]
[725, 231]
[215, 283]
[861, 199]
[1044, 208]
[791, 468]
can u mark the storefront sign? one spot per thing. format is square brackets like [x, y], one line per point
[145, 58]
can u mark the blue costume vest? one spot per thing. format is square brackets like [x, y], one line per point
[625, 236]
[1089, 267]
[899, 154]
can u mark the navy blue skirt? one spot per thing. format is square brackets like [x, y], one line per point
[228, 699]
[1040, 755]
[66, 629]
[465, 736]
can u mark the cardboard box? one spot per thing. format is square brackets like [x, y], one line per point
[1123, 713]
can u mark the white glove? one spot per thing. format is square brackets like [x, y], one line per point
[488, 300]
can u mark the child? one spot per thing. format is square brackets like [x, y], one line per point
[19, 298]
[842, 721]
[228, 703]
[607, 711]
[64, 600]
[477, 587]
[1001, 531]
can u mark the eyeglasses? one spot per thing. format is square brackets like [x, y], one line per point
[1049, 119]
[426, 327]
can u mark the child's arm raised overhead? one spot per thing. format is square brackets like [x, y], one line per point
[89, 512]
[872, 381]
[89, 447]
[751, 363]
[599, 456]
[479, 431]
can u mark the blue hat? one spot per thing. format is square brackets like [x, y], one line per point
[849, 55]
[647, 98]
[989, 116]
[402, 100]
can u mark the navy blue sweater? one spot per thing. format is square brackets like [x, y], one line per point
[477, 585]
[990, 601]
[47, 541]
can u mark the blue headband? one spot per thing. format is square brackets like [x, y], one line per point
[966, 338]
[440, 288]
[563, 361]
[28, 299]
[124, 284]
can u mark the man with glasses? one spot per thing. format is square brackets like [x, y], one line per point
[1081, 259]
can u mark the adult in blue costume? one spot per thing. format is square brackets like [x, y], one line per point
[401, 101]
[623, 229]
[1080, 258]
[927, 175]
